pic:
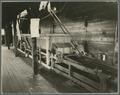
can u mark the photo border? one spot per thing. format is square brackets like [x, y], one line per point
[118, 2]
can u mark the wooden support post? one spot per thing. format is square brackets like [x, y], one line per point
[47, 51]
[39, 55]
[69, 70]
[103, 82]
[12, 34]
[5, 38]
[15, 38]
[52, 61]
[35, 57]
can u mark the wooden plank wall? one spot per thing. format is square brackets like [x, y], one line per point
[100, 35]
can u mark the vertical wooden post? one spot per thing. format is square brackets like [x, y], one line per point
[15, 38]
[69, 71]
[5, 38]
[103, 82]
[47, 51]
[35, 57]
[12, 34]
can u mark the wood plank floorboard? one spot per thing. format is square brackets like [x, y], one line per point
[18, 77]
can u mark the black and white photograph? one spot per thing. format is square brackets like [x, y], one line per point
[50, 47]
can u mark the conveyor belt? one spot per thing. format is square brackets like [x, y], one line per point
[93, 64]
[91, 76]
[65, 30]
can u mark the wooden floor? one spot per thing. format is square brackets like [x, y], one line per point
[18, 77]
